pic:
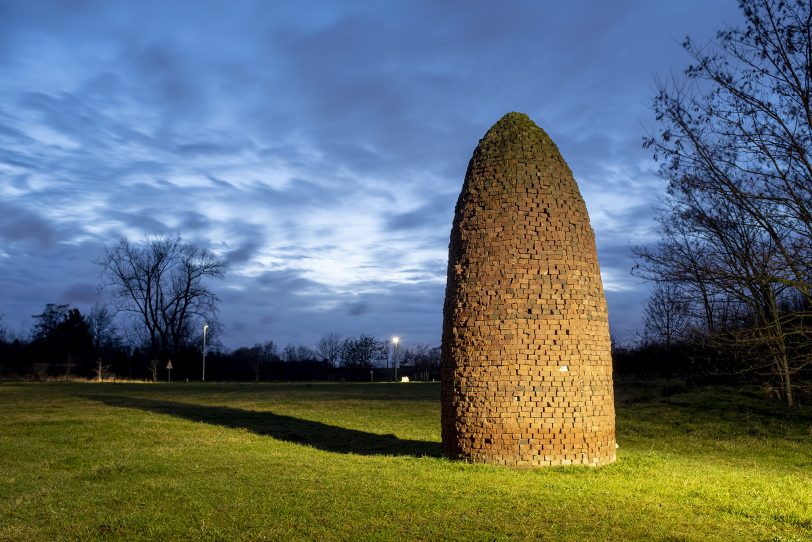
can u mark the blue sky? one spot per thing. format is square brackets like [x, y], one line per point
[318, 146]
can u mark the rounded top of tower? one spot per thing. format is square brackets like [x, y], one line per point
[516, 135]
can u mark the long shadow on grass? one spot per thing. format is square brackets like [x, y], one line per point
[288, 428]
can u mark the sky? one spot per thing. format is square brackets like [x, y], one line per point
[319, 147]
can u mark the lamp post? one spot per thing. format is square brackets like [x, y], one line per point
[395, 343]
[205, 329]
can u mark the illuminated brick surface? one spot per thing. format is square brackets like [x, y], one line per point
[526, 365]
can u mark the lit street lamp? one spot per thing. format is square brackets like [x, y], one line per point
[395, 343]
[205, 329]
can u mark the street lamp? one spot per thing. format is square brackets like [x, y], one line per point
[395, 343]
[205, 329]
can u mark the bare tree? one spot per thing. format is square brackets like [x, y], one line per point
[735, 137]
[269, 351]
[101, 369]
[103, 333]
[305, 353]
[680, 258]
[298, 354]
[162, 283]
[289, 353]
[364, 352]
[5, 336]
[154, 367]
[100, 319]
[665, 316]
[256, 360]
[254, 356]
[423, 357]
[329, 348]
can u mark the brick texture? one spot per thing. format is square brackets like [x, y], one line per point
[526, 364]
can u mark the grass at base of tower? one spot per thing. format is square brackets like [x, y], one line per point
[358, 462]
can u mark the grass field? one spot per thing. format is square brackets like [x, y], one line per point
[361, 462]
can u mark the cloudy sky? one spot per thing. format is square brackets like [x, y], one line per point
[318, 146]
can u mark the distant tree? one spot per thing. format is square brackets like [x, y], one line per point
[5, 336]
[289, 353]
[422, 356]
[101, 368]
[254, 357]
[735, 140]
[162, 283]
[100, 320]
[329, 348]
[62, 335]
[47, 322]
[364, 352]
[298, 354]
[665, 315]
[269, 351]
[15, 352]
[380, 354]
[305, 353]
[154, 367]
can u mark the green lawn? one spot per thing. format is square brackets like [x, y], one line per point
[361, 462]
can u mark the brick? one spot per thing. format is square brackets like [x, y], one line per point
[523, 298]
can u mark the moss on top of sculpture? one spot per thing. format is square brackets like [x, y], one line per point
[515, 135]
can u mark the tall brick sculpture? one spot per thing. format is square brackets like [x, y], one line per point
[526, 365]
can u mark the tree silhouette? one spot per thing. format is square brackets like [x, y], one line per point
[162, 282]
[735, 144]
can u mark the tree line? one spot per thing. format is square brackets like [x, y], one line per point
[65, 343]
[163, 311]
[732, 271]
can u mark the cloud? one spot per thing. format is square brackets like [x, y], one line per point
[320, 151]
[286, 283]
[22, 226]
[427, 216]
[55, 273]
[209, 148]
[143, 220]
[357, 309]
[242, 253]
[84, 293]
[192, 221]
[285, 303]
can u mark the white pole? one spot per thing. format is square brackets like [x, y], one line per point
[395, 342]
[205, 328]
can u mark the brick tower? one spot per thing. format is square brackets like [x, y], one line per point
[526, 363]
